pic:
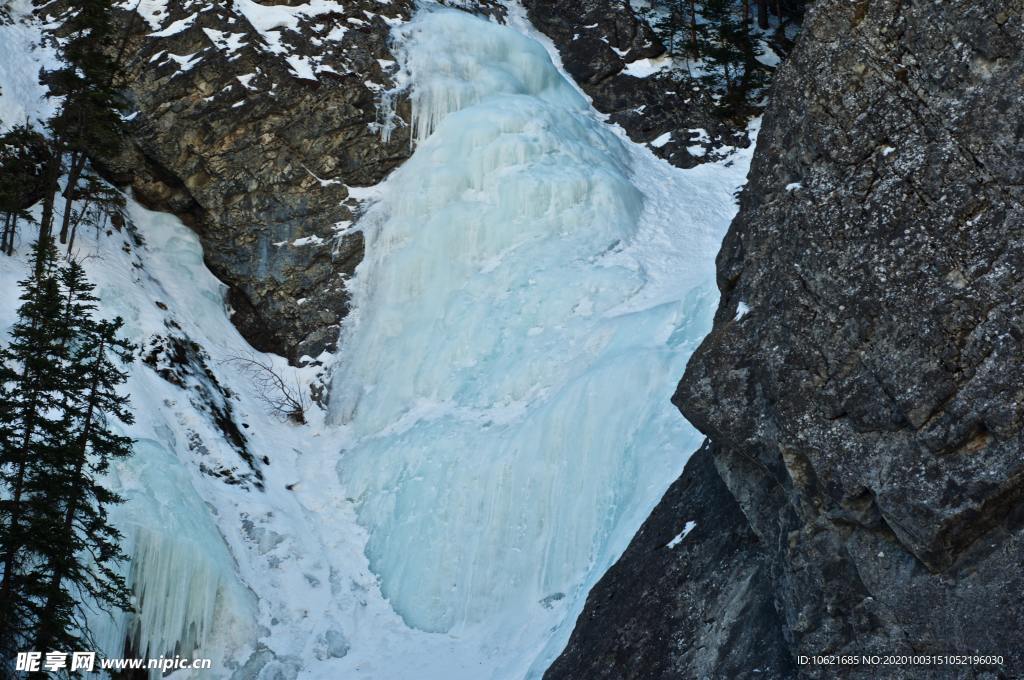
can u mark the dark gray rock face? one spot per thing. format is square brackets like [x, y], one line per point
[683, 606]
[867, 412]
[252, 127]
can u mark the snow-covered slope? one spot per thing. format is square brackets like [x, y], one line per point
[22, 97]
[500, 420]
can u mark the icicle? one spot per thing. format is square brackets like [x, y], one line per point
[181, 575]
[177, 593]
[454, 71]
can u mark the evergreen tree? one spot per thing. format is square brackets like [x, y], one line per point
[674, 25]
[762, 14]
[730, 53]
[89, 119]
[33, 372]
[718, 45]
[101, 202]
[79, 519]
[720, 36]
[694, 30]
[59, 379]
[22, 158]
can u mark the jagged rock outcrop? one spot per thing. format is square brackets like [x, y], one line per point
[252, 122]
[598, 40]
[861, 386]
[607, 48]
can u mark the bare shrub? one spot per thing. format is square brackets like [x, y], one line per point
[284, 398]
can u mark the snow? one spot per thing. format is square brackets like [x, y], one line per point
[22, 97]
[337, 33]
[699, 135]
[301, 67]
[742, 309]
[696, 150]
[153, 11]
[270, 20]
[533, 286]
[185, 62]
[768, 56]
[229, 42]
[246, 80]
[690, 526]
[662, 140]
[793, 186]
[304, 241]
[643, 68]
[175, 27]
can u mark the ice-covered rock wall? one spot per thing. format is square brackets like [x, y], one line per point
[506, 374]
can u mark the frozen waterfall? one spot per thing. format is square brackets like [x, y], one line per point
[522, 314]
[181, 573]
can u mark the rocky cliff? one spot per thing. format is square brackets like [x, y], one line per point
[254, 122]
[862, 491]
[603, 45]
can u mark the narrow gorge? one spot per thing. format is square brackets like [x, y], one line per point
[495, 340]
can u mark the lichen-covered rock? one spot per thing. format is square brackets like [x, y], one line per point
[865, 402]
[252, 122]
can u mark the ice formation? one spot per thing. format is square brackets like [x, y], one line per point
[181, 573]
[506, 382]
[181, 570]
